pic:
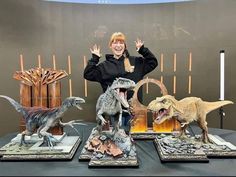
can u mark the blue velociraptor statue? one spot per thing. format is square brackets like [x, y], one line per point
[110, 103]
[44, 118]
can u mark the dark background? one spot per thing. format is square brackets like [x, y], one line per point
[203, 27]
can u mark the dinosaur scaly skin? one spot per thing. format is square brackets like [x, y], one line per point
[110, 103]
[185, 111]
[44, 118]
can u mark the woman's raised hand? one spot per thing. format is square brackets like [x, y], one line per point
[138, 43]
[96, 50]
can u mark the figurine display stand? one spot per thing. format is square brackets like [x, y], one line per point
[139, 126]
[183, 146]
[37, 150]
[106, 145]
[40, 87]
[106, 150]
[192, 149]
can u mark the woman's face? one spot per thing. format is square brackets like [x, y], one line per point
[117, 47]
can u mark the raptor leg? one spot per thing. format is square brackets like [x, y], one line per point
[48, 138]
[117, 123]
[38, 131]
[203, 125]
[182, 133]
[100, 121]
[22, 141]
[26, 132]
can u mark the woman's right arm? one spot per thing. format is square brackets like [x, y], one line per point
[91, 71]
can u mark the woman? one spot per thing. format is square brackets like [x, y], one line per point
[120, 64]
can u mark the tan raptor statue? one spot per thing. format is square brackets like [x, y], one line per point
[185, 111]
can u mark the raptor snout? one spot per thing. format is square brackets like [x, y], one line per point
[78, 101]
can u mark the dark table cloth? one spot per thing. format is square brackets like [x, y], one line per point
[149, 162]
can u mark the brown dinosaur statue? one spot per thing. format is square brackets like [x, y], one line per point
[185, 111]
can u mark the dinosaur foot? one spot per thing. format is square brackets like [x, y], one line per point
[207, 140]
[181, 136]
[24, 143]
[50, 141]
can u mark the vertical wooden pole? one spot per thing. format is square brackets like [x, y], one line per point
[25, 94]
[162, 67]
[162, 60]
[174, 85]
[147, 86]
[174, 79]
[54, 92]
[174, 62]
[190, 77]
[189, 84]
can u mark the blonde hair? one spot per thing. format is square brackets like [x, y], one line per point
[118, 36]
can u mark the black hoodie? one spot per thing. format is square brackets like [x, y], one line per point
[107, 71]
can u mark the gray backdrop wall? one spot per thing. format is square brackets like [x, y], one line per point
[203, 27]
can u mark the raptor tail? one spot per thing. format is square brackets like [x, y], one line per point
[217, 104]
[16, 105]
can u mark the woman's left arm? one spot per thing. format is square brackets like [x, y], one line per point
[150, 61]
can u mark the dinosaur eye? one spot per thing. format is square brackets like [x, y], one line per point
[163, 101]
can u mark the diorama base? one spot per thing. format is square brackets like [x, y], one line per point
[149, 134]
[36, 150]
[126, 158]
[192, 149]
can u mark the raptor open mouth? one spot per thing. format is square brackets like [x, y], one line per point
[78, 107]
[122, 92]
[78, 102]
[160, 114]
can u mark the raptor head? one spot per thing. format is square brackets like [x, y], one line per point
[120, 86]
[164, 108]
[73, 101]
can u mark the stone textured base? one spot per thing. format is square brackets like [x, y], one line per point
[64, 150]
[192, 149]
[112, 162]
[104, 160]
[149, 134]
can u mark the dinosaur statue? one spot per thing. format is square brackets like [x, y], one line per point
[44, 118]
[111, 101]
[185, 111]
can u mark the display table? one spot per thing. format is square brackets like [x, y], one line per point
[149, 162]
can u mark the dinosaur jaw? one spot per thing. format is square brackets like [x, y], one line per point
[79, 107]
[78, 101]
[161, 115]
[122, 97]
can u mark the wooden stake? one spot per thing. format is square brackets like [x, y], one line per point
[21, 62]
[174, 62]
[190, 62]
[162, 62]
[189, 84]
[162, 79]
[147, 87]
[39, 61]
[69, 64]
[174, 85]
[54, 61]
[70, 88]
